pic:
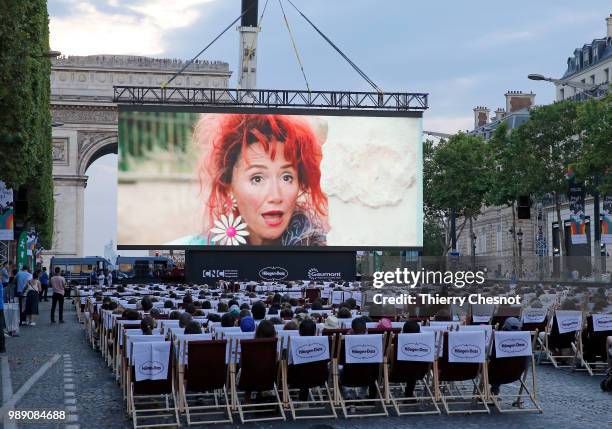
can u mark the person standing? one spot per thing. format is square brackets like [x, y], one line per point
[109, 279]
[58, 285]
[21, 279]
[101, 279]
[4, 279]
[2, 323]
[31, 293]
[44, 284]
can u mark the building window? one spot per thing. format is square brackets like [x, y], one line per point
[562, 94]
[606, 75]
[593, 79]
[498, 238]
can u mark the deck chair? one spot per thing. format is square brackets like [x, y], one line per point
[203, 387]
[152, 396]
[132, 336]
[305, 371]
[509, 363]
[408, 361]
[503, 312]
[480, 313]
[561, 333]
[590, 346]
[258, 373]
[358, 365]
[460, 373]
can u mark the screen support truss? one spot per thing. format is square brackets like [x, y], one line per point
[224, 97]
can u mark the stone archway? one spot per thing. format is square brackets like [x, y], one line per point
[86, 124]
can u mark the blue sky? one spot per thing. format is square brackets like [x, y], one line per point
[463, 53]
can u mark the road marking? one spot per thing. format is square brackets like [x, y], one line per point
[7, 390]
[69, 386]
[71, 401]
[27, 385]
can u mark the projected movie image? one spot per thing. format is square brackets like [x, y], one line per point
[233, 179]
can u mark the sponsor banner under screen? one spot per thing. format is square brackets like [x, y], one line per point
[577, 215]
[302, 180]
[207, 266]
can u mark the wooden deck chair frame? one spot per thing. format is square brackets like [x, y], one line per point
[356, 403]
[401, 401]
[460, 390]
[321, 397]
[244, 408]
[219, 398]
[169, 404]
[524, 386]
[594, 366]
[557, 360]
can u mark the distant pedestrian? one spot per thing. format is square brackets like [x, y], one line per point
[44, 284]
[4, 279]
[2, 323]
[101, 278]
[31, 293]
[109, 279]
[58, 284]
[21, 279]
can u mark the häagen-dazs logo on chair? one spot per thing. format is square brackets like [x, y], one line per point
[466, 351]
[273, 273]
[570, 323]
[364, 351]
[151, 368]
[513, 345]
[415, 349]
[309, 351]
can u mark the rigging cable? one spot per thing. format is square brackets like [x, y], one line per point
[357, 69]
[295, 48]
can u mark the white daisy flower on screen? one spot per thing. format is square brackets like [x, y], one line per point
[229, 231]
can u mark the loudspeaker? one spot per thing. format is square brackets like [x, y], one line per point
[524, 207]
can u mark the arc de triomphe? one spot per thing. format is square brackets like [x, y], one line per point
[85, 124]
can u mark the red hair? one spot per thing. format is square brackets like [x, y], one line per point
[230, 139]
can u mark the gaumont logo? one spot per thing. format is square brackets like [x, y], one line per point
[513, 345]
[310, 350]
[466, 351]
[416, 349]
[363, 351]
[273, 273]
[315, 274]
[151, 368]
[569, 323]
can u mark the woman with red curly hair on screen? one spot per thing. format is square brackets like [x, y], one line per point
[260, 175]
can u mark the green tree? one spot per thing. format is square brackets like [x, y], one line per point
[25, 118]
[457, 177]
[550, 141]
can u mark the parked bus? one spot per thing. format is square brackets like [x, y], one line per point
[143, 266]
[80, 269]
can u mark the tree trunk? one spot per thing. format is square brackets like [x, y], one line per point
[472, 245]
[562, 249]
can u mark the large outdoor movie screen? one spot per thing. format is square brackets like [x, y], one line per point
[238, 179]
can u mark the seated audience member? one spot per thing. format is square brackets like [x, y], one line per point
[290, 326]
[344, 313]
[244, 313]
[247, 324]
[174, 315]
[358, 326]
[244, 306]
[193, 328]
[184, 319]
[187, 299]
[352, 304]
[222, 307]
[286, 314]
[332, 322]
[265, 329]
[308, 328]
[146, 304]
[190, 308]
[234, 310]
[258, 310]
[511, 324]
[168, 304]
[147, 325]
[228, 320]
[206, 305]
[384, 323]
[155, 313]
[276, 321]
[131, 314]
[316, 305]
[410, 327]
[213, 317]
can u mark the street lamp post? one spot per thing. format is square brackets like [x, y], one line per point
[590, 90]
[519, 235]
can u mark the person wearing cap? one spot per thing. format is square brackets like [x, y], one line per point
[331, 322]
[511, 324]
[247, 324]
